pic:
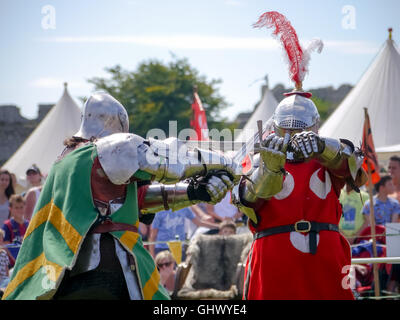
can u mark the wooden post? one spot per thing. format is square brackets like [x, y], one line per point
[372, 217]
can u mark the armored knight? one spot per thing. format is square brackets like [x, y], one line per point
[291, 198]
[83, 240]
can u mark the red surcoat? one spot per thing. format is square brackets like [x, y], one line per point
[280, 266]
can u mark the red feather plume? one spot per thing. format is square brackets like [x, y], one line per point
[289, 40]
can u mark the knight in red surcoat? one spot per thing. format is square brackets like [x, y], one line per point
[291, 199]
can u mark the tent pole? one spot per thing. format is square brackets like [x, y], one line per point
[372, 219]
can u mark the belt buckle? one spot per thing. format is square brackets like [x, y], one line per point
[296, 228]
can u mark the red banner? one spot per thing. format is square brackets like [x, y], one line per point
[368, 148]
[199, 121]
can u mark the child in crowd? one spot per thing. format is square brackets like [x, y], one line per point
[4, 264]
[15, 227]
[386, 209]
[227, 227]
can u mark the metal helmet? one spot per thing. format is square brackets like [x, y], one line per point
[102, 115]
[296, 113]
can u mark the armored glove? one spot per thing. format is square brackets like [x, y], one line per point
[306, 145]
[273, 152]
[266, 180]
[212, 188]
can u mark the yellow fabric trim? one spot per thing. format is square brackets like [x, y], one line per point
[129, 239]
[53, 214]
[40, 217]
[30, 269]
[151, 286]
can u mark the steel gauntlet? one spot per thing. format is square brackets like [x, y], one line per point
[266, 180]
[211, 188]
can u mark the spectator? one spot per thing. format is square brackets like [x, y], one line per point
[227, 227]
[203, 212]
[394, 172]
[34, 177]
[169, 225]
[144, 231]
[18, 187]
[225, 210]
[386, 209]
[6, 190]
[394, 279]
[219, 212]
[15, 227]
[4, 263]
[352, 219]
[166, 266]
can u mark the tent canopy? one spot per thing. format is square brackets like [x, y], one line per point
[378, 91]
[385, 153]
[263, 112]
[46, 142]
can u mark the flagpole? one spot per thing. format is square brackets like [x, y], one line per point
[372, 216]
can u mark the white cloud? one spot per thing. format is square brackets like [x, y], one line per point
[353, 47]
[205, 42]
[176, 41]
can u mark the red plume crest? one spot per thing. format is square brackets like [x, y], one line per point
[298, 58]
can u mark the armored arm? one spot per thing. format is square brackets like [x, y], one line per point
[211, 189]
[168, 161]
[334, 154]
[262, 183]
[339, 154]
[189, 176]
[267, 178]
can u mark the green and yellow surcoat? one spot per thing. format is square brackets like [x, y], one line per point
[62, 218]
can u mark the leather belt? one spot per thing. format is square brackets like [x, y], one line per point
[302, 226]
[109, 226]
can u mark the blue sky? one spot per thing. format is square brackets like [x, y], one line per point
[216, 36]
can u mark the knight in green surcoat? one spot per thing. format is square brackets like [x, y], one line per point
[83, 240]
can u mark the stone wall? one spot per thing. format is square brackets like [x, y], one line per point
[10, 114]
[15, 129]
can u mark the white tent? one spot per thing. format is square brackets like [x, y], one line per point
[379, 91]
[46, 142]
[263, 111]
[384, 153]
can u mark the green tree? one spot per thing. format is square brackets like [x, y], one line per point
[324, 108]
[157, 93]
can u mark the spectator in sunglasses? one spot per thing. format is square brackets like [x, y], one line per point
[166, 266]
